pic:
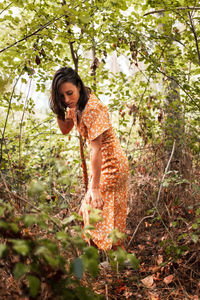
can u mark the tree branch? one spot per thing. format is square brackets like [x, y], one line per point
[176, 8]
[73, 53]
[141, 98]
[195, 35]
[6, 7]
[31, 34]
[172, 78]
[180, 86]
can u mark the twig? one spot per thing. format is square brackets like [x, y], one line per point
[17, 196]
[106, 288]
[172, 9]
[6, 7]
[56, 191]
[136, 229]
[158, 197]
[165, 173]
[184, 291]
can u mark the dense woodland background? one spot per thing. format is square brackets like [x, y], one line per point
[155, 110]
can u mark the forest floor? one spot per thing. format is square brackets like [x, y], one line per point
[159, 277]
[167, 248]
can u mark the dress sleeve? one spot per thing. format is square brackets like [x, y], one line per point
[97, 121]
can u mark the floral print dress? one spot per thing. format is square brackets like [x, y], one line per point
[114, 172]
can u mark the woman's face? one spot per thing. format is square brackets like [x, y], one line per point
[70, 94]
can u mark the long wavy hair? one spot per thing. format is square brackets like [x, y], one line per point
[57, 104]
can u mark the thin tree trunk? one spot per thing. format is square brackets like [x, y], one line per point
[21, 123]
[75, 61]
[8, 111]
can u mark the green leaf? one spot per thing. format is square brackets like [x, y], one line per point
[74, 216]
[64, 205]
[95, 216]
[182, 236]
[14, 227]
[198, 211]
[35, 188]
[50, 246]
[23, 80]
[174, 224]
[2, 209]
[89, 227]
[34, 285]
[30, 220]
[134, 261]
[41, 250]
[120, 255]
[53, 261]
[64, 180]
[68, 220]
[195, 226]
[90, 260]
[62, 235]
[3, 248]
[20, 269]
[78, 241]
[3, 224]
[85, 18]
[77, 216]
[116, 235]
[195, 238]
[165, 184]
[21, 247]
[78, 267]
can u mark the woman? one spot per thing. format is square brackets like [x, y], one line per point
[75, 105]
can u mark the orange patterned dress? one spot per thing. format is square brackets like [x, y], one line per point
[114, 172]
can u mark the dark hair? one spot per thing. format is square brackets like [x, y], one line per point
[57, 104]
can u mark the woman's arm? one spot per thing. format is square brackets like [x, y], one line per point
[66, 125]
[95, 160]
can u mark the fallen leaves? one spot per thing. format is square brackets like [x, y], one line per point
[168, 279]
[148, 281]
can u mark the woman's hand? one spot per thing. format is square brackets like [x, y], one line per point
[96, 199]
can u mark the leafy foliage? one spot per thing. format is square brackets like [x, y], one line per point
[154, 102]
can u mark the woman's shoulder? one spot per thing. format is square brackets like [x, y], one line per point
[94, 104]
